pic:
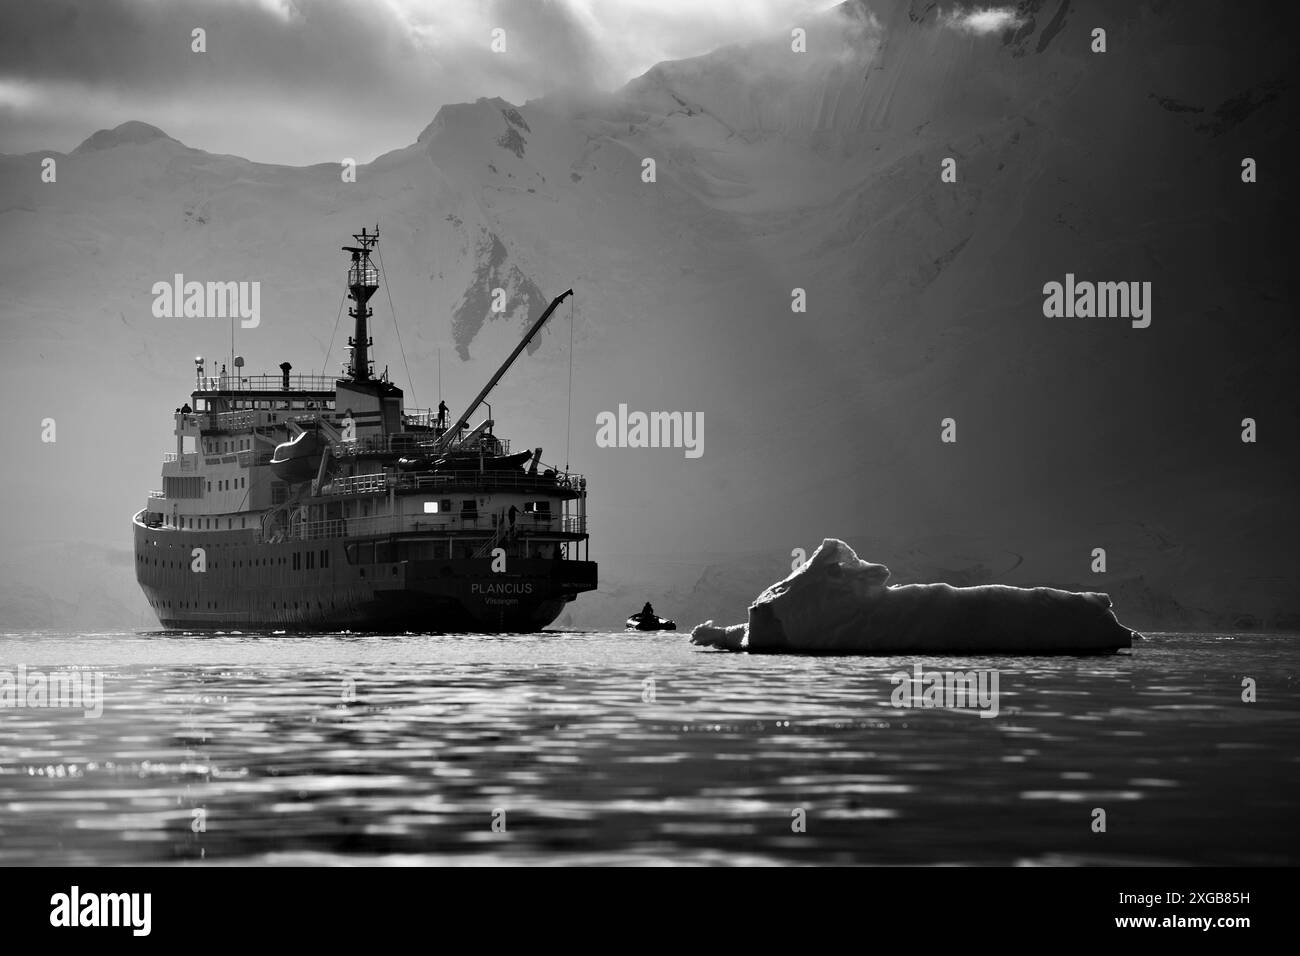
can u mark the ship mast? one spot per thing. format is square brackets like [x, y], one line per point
[363, 281]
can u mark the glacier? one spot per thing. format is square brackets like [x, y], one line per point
[837, 603]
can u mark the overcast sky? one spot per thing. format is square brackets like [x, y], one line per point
[307, 81]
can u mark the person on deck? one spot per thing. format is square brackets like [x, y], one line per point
[442, 414]
[647, 612]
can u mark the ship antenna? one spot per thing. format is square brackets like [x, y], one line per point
[330, 348]
[568, 425]
[388, 290]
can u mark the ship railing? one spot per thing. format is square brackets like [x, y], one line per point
[420, 480]
[363, 527]
[573, 524]
[428, 418]
[472, 444]
[310, 416]
[534, 525]
[266, 383]
[411, 443]
[344, 527]
[425, 417]
[245, 418]
[237, 420]
[503, 443]
[542, 522]
[434, 480]
[528, 524]
[245, 459]
[188, 461]
[363, 273]
[220, 421]
[357, 485]
[233, 421]
[486, 548]
[380, 444]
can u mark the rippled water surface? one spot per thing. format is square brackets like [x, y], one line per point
[590, 748]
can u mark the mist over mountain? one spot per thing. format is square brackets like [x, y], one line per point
[775, 170]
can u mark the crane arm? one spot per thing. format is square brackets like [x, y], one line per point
[505, 367]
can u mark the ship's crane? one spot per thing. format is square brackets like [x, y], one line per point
[461, 422]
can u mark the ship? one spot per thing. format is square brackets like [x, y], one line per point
[321, 503]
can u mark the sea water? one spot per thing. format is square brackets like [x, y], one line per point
[613, 747]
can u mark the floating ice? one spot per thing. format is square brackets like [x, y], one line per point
[838, 603]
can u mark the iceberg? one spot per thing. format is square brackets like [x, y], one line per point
[836, 603]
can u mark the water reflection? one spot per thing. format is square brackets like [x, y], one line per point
[594, 748]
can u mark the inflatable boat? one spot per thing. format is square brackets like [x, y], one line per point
[653, 623]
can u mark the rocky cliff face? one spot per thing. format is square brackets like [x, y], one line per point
[775, 170]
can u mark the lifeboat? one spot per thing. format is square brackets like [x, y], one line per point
[298, 460]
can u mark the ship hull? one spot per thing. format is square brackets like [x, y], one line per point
[246, 584]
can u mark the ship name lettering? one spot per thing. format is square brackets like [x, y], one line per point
[509, 587]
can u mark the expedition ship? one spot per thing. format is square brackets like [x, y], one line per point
[305, 502]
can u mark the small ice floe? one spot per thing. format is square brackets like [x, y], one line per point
[836, 603]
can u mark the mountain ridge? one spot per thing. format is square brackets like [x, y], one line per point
[924, 298]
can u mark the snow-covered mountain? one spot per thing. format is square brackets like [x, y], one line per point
[776, 170]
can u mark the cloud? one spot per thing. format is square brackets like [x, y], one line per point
[308, 81]
[981, 21]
